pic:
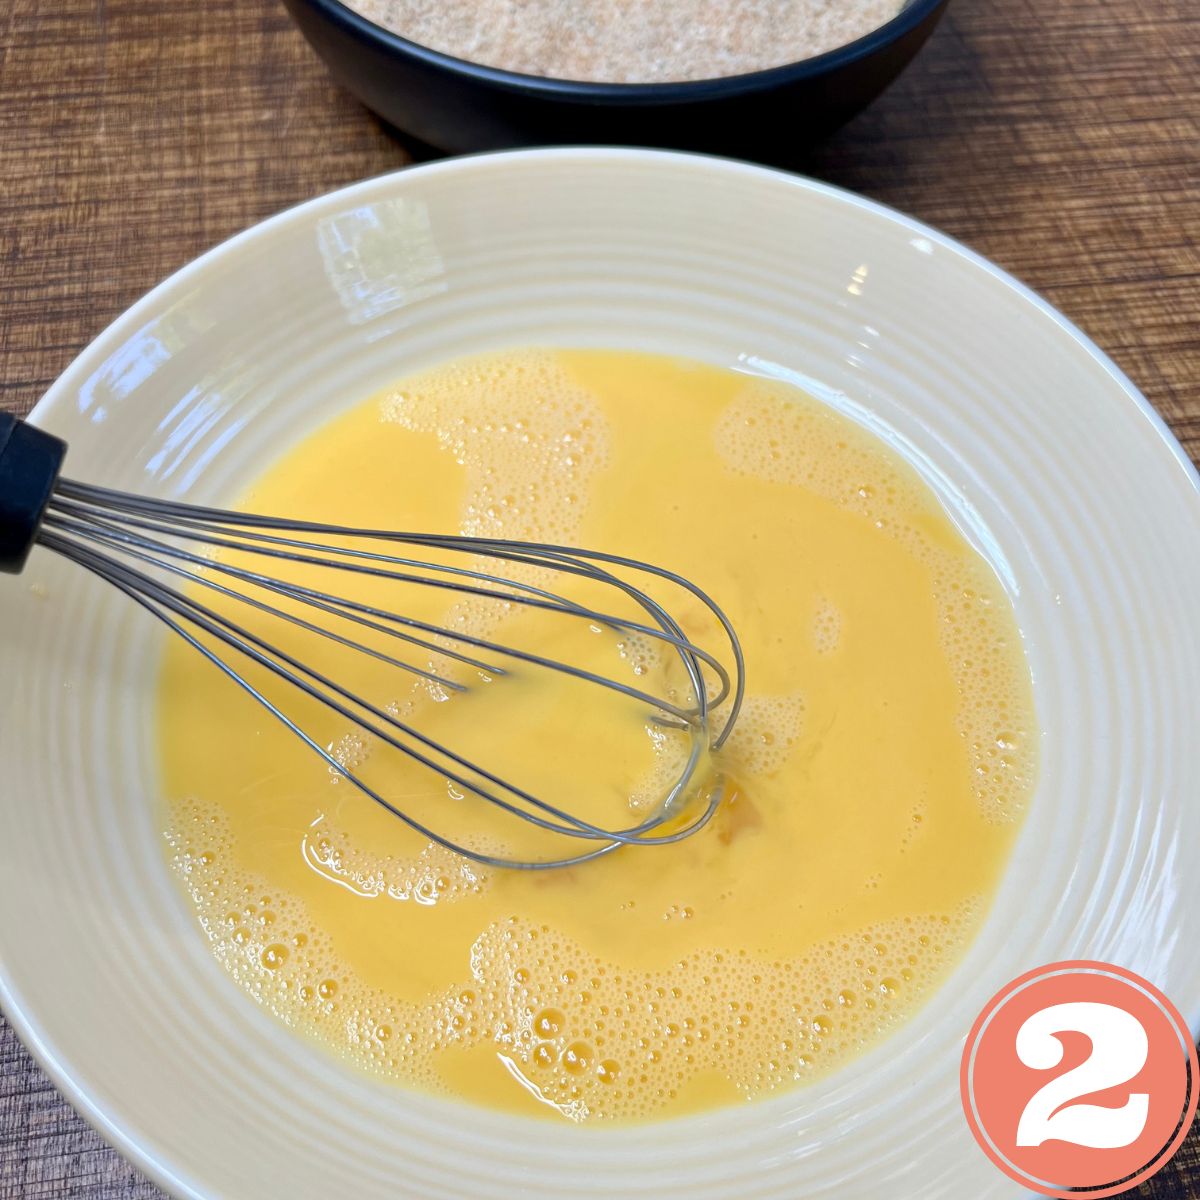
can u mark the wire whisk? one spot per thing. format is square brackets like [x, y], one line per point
[194, 567]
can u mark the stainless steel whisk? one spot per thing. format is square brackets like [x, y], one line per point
[117, 535]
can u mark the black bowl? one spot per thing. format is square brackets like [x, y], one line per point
[460, 106]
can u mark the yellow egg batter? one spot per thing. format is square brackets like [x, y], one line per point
[872, 787]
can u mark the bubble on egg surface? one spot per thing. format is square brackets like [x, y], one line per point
[599, 1040]
[768, 432]
[530, 440]
[526, 433]
[826, 626]
[768, 729]
[349, 752]
[432, 875]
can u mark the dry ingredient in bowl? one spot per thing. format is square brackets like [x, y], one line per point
[631, 41]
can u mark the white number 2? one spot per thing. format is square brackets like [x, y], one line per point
[1119, 1049]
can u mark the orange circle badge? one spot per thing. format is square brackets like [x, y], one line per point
[1079, 1075]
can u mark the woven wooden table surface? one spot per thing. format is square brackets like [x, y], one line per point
[1059, 137]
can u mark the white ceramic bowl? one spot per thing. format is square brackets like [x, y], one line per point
[1046, 455]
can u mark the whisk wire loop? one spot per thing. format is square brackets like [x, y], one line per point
[137, 543]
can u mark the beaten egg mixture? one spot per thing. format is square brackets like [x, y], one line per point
[871, 789]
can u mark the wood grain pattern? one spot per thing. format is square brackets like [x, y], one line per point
[1059, 137]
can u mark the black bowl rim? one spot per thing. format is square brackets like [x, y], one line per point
[550, 87]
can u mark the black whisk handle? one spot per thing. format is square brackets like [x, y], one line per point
[30, 460]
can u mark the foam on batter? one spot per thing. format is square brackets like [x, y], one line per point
[767, 432]
[529, 437]
[590, 1038]
[870, 790]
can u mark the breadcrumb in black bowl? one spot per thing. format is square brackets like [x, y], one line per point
[460, 106]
